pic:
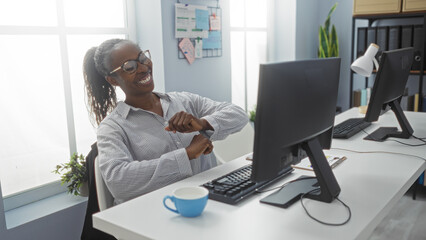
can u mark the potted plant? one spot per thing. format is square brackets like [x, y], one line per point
[328, 42]
[252, 115]
[74, 173]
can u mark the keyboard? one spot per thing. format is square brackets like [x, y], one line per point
[235, 186]
[349, 127]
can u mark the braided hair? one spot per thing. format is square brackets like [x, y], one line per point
[101, 95]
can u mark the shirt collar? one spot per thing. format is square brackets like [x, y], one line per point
[123, 108]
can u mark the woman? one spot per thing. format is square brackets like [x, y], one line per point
[151, 139]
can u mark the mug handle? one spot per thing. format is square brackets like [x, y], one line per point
[171, 199]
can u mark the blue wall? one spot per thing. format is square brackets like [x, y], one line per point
[311, 14]
[209, 77]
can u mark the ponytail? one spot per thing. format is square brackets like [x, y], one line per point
[101, 95]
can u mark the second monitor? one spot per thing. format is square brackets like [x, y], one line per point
[388, 88]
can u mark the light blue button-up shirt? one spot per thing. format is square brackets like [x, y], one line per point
[136, 154]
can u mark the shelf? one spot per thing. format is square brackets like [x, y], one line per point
[389, 15]
[417, 72]
[371, 18]
[412, 72]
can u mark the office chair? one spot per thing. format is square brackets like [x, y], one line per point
[235, 145]
[105, 198]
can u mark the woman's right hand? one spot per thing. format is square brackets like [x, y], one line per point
[199, 145]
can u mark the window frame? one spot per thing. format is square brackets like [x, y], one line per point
[129, 30]
[244, 29]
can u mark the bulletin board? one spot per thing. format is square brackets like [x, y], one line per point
[210, 52]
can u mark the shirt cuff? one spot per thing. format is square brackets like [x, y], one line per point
[211, 134]
[183, 162]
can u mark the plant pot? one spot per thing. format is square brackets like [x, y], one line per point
[84, 189]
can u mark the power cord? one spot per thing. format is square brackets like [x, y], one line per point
[403, 154]
[419, 138]
[322, 222]
[303, 205]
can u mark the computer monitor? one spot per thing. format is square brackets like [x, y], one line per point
[389, 86]
[296, 106]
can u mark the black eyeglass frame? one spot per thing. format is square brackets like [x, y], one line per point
[144, 57]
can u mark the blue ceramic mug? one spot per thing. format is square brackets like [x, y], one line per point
[188, 201]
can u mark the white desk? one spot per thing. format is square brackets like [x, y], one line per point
[371, 185]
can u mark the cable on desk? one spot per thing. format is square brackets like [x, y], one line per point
[403, 154]
[421, 139]
[407, 144]
[322, 222]
[282, 186]
[403, 143]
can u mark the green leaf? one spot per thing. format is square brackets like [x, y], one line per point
[334, 42]
[323, 42]
[322, 54]
[74, 173]
[327, 25]
[328, 43]
[332, 10]
[327, 20]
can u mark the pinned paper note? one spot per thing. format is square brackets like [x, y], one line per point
[214, 23]
[202, 19]
[186, 21]
[198, 48]
[187, 49]
[214, 41]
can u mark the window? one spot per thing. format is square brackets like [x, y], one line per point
[248, 49]
[44, 116]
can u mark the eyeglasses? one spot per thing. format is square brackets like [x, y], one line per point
[131, 66]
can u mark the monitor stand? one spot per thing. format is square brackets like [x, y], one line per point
[325, 181]
[384, 132]
[291, 192]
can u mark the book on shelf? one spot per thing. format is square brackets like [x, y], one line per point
[424, 182]
[382, 41]
[416, 102]
[406, 36]
[363, 97]
[424, 103]
[368, 91]
[333, 161]
[394, 37]
[357, 98]
[361, 41]
[371, 36]
[410, 103]
[418, 43]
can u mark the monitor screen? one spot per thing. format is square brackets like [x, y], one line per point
[295, 113]
[389, 86]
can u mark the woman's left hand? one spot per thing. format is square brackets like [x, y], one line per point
[185, 123]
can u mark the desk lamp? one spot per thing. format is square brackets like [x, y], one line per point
[364, 65]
